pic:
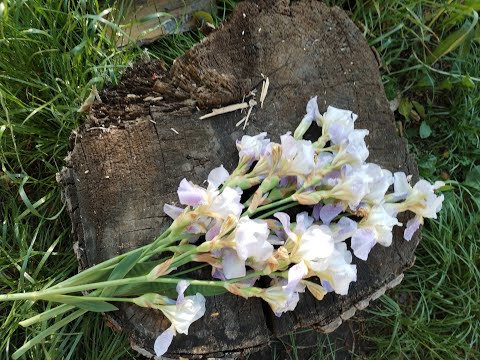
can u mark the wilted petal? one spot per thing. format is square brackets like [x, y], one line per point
[316, 243]
[352, 187]
[252, 147]
[186, 310]
[327, 285]
[342, 272]
[310, 116]
[285, 221]
[275, 240]
[338, 133]
[217, 177]
[233, 266]
[227, 203]
[295, 274]
[324, 158]
[298, 156]
[312, 109]
[190, 194]
[412, 227]
[172, 210]
[381, 223]
[401, 186]
[334, 115]
[343, 229]
[181, 287]
[290, 304]
[303, 222]
[282, 298]
[251, 239]
[381, 180]
[212, 232]
[218, 274]
[316, 211]
[162, 343]
[329, 212]
[362, 242]
[287, 181]
[356, 145]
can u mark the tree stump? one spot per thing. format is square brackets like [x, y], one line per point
[146, 136]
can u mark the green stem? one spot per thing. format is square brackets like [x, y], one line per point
[46, 315]
[269, 206]
[186, 257]
[90, 298]
[281, 208]
[109, 262]
[37, 295]
[164, 246]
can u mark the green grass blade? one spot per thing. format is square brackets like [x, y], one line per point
[453, 41]
[49, 331]
[47, 315]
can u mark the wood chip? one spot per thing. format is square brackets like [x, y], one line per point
[151, 98]
[224, 110]
[263, 94]
[244, 120]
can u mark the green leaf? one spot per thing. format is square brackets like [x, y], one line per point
[405, 107]
[425, 130]
[473, 178]
[426, 81]
[143, 288]
[419, 108]
[453, 41]
[467, 82]
[445, 84]
[122, 269]
[205, 290]
[473, 4]
[476, 36]
[124, 266]
[144, 268]
[96, 276]
[83, 303]
[427, 165]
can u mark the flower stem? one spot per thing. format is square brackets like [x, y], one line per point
[44, 295]
[281, 208]
[110, 262]
[269, 206]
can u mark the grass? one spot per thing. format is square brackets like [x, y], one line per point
[52, 52]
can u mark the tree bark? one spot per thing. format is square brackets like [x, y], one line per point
[146, 136]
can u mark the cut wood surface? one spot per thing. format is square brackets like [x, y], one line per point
[146, 136]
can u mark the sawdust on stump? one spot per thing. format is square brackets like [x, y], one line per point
[146, 136]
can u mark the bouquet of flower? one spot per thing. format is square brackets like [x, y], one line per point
[345, 209]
